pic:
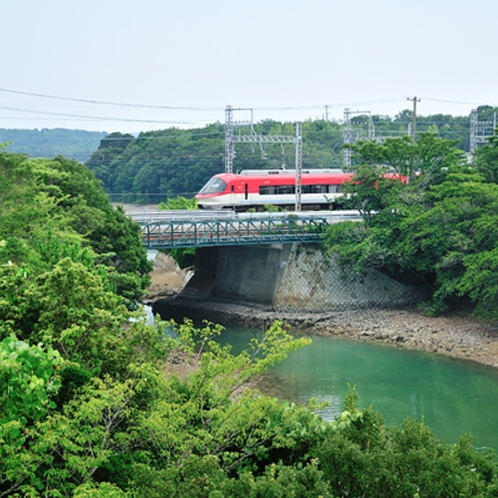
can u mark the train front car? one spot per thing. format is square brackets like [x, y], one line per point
[216, 193]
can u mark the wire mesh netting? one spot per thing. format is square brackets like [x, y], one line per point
[312, 281]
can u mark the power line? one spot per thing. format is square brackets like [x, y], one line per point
[191, 108]
[103, 102]
[453, 101]
[187, 108]
[197, 108]
[100, 118]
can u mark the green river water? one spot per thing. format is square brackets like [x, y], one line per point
[452, 397]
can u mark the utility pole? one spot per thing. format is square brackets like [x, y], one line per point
[414, 118]
[299, 166]
[326, 112]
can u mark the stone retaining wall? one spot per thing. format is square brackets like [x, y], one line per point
[313, 282]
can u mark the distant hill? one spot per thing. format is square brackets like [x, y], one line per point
[73, 144]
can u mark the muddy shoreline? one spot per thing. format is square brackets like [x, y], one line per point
[456, 335]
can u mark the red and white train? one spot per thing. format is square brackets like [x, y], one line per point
[253, 189]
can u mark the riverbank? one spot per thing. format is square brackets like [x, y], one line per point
[457, 335]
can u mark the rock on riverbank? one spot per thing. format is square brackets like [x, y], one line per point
[167, 278]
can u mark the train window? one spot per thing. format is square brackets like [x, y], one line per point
[285, 189]
[335, 189]
[213, 186]
[277, 190]
[315, 189]
[305, 189]
[266, 190]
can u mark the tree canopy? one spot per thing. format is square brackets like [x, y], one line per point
[52, 208]
[99, 403]
[437, 230]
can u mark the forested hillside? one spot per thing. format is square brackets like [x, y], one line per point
[159, 164]
[73, 144]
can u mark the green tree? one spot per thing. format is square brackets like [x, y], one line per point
[363, 457]
[29, 378]
[429, 231]
[102, 161]
[486, 159]
[182, 203]
[94, 404]
[428, 157]
[50, 203]
[30, 381]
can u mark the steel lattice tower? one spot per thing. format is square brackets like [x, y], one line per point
[231, 138]
[348, 137]
[480, 131]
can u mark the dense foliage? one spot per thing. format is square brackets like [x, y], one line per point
[55, 208]
[437, 230]
[73, 144]
[157, 165]
[98, 403]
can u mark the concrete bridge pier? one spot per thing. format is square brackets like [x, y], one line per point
[250, 274]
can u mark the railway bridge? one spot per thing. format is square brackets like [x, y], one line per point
[183, 229]
[259, 258]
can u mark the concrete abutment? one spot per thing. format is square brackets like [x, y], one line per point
[291, 277]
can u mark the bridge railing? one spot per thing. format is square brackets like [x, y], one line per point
[241, 229]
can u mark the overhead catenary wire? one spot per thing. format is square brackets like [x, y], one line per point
[452, 101]
[188, 108]
[167, 122]
[210, 108]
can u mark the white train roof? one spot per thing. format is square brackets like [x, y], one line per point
[292, 172]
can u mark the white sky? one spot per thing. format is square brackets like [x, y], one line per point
[284, 59]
